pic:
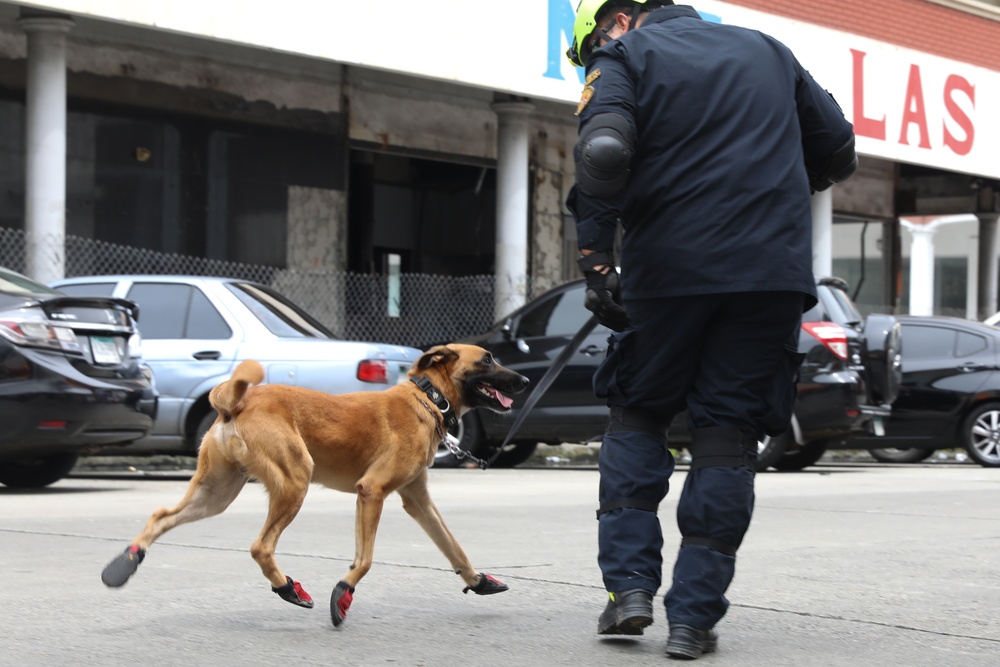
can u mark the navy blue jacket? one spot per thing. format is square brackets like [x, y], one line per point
[718, 196]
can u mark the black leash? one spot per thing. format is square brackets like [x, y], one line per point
[543, 384]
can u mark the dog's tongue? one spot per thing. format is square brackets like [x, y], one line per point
[503, 400]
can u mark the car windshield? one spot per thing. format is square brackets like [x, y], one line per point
[281, 317]
[15, 283]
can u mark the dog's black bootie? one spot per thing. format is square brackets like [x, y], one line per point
[488, 585]
[688, 643]
[627, 613]
[340, 602]
[123, 566]
[293, 592]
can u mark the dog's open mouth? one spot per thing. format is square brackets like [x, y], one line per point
[495, 394]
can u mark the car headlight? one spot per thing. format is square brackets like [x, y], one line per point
[32, 329]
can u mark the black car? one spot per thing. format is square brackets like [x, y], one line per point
[849, 376]
[950, 395]
[71, 379]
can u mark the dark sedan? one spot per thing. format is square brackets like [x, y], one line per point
[71, 379]
[950, 395]
[849, 375]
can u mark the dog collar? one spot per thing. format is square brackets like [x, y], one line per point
[435, 396]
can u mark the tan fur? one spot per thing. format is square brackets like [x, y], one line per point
[368, 443]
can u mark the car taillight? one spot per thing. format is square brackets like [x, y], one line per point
[374, 370]
[831, 335]
[25, 328]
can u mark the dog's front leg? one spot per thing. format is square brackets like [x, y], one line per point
[418, 504]
[371, 499]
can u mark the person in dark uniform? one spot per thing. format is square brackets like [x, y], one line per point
[704, 141]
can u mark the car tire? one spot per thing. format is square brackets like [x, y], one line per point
[771, 449]
[900, 455]
[514, 454]
[471, 439]
[38, 472]
[881, 347]
[203, 426]
[809, 454]
[981, 435]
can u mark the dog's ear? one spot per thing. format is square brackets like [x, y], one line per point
[439, 354]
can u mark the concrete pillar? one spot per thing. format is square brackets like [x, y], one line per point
[987, 277]
[822, 215]
[45, 147]
[923, 230]
[512, 206]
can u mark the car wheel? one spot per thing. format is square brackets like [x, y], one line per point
[882, 342]
[900, 455]
[36, 473]
[981, 433]
[771, 449]
[514, 454]
[809, 454]
[470, 436]
[203, 426]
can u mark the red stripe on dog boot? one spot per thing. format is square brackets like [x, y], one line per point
[488, 585]
[123, 566]
[294, 593]
[340, 602]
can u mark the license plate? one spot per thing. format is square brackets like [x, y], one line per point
[105, 351]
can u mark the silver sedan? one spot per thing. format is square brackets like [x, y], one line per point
[196, 329]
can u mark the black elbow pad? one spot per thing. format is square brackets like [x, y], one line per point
[603, 155]
[834, 168]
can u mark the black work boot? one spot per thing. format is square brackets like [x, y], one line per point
[627, 613]
[687, 643]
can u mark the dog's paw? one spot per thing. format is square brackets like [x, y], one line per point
[340, 602]
[488, 585]
[294, 593]
[123, 566]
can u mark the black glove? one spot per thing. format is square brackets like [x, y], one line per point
[604, 297]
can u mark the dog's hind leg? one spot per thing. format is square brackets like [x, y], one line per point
[215, 484]
[418, 504]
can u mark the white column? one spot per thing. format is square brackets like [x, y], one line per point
[922, 258]
[822, 215]
[512, 206]
[922, 271]
[45, 147]
[987, 278]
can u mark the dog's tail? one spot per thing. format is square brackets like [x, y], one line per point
[227, 395]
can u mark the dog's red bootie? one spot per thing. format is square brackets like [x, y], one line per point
[488, 585]
[294, 593]
[123, 566]
[340, 602]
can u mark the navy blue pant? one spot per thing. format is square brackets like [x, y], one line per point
[731, 361]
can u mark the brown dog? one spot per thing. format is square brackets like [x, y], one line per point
[367, 443]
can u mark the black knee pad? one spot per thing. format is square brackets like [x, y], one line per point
[639, 419]
[722, 446]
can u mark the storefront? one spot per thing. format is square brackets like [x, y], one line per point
[439, 138]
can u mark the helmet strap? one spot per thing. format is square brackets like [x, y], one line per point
[636, 10]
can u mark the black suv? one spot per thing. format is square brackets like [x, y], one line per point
[71, 379]
[850, 375]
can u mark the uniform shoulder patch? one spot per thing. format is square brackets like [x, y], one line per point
[585, 97]
[592, 77]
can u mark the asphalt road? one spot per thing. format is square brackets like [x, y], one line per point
[844, 565]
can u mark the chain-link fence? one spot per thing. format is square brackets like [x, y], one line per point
[426, 309]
